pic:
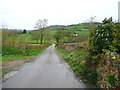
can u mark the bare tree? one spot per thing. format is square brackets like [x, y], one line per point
[41, 25]
[4, 26]
[91, 21]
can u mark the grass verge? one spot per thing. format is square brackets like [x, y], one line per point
[14, 57]
[77, 60]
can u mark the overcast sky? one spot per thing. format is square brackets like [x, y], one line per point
[23, 14]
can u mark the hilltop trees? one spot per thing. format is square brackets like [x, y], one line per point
[24, 31]
[40, 27]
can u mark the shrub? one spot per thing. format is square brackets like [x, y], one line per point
[101, 37]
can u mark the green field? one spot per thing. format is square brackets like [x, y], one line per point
[52, 32]
[77, 28]
[12, 53]
[84, 31]
[28, 37]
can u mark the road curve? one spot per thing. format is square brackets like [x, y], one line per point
[47, 71]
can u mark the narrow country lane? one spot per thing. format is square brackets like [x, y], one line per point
[47, 71]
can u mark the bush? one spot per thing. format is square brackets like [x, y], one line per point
[101, 37]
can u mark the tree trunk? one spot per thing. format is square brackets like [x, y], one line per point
[41, 40]
[57, 40]
[37, 41]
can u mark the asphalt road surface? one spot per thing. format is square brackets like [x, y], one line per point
[47, 71]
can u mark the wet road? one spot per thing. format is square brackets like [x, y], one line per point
[47, 71]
